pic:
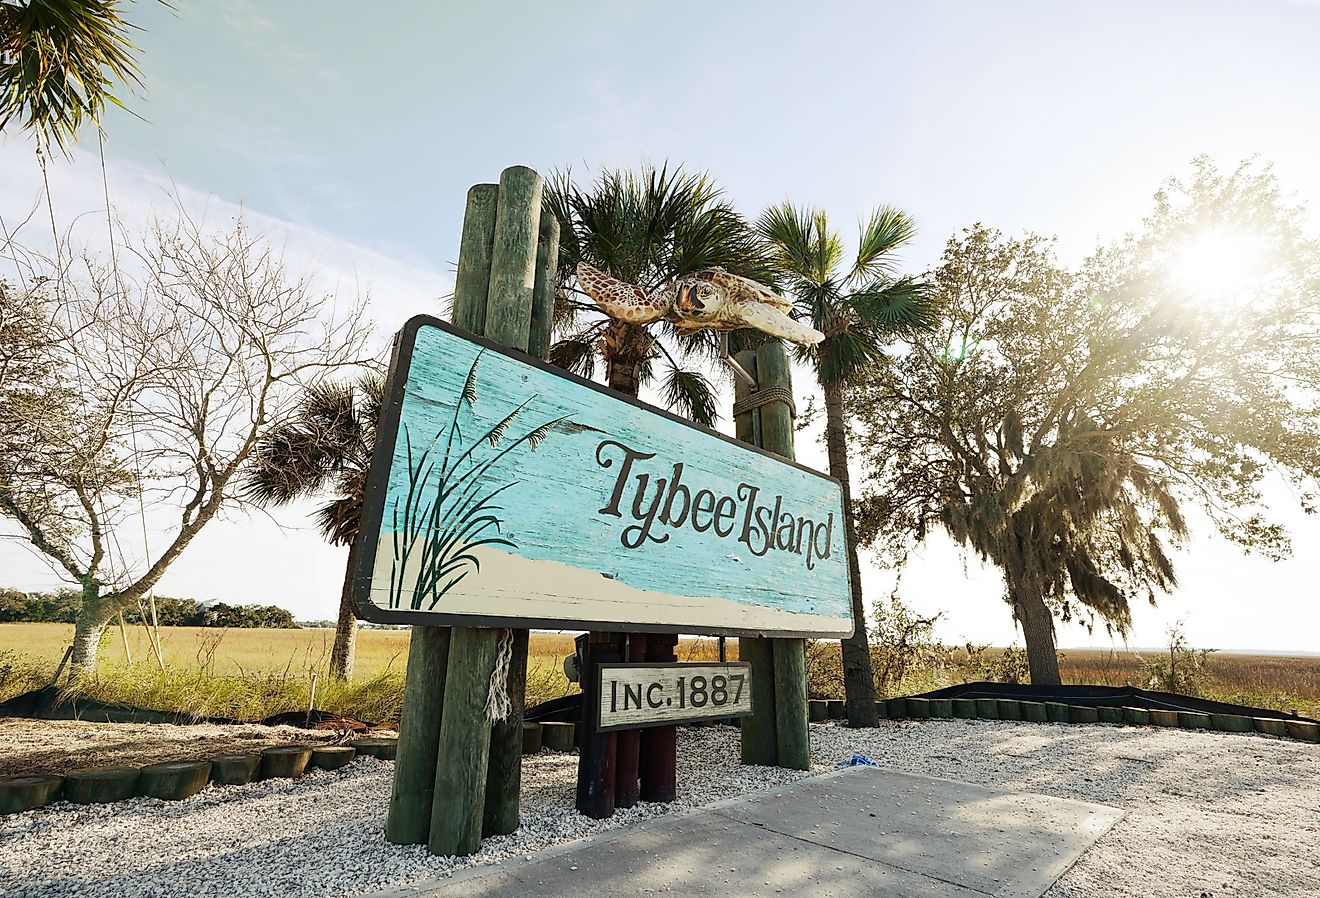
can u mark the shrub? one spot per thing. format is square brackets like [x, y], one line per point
[1183, 669]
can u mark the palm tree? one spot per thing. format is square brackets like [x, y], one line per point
[325, 445]
[58, 62]
[646, 228]
[860, 310]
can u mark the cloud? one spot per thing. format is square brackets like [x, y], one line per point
[398, 288]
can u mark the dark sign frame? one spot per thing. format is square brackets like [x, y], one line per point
[376, 488]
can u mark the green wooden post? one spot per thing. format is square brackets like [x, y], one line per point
[773, 373]
[790, 670]
[509, 312]
[504, 769]
[413, 792]
[412, 795]
[460, 776]
[543, 293]
[791, 711]
[759, 741]
[513, 257]
[473, 277]
[760, 744]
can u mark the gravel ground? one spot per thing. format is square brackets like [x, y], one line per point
[54, 746]
[1209, 814]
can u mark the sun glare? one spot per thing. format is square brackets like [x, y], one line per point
[1217, 266]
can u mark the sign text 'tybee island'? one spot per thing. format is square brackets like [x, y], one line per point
[507, 492]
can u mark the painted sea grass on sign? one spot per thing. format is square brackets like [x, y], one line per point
[435, 539]
[518, 492]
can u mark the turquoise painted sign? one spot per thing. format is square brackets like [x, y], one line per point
[506, 492]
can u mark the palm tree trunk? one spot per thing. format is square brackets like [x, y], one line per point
[344, 652]
[858, 680]
[1038, 629]
[625, 348]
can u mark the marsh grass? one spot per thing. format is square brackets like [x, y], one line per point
[1281, 682]
[253, 674]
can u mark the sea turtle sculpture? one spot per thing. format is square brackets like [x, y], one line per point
[712, 298]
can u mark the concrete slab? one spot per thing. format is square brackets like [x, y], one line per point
[1010, 845]
[858, 832]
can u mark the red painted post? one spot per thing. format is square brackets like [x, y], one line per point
[660, 744]
[597, 753]
[627, 784]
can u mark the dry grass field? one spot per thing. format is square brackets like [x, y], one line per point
[251, 674]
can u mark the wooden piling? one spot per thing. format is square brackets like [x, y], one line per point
[516, 246]
[773, 373]
[459, 803]
[543, 292]
[412, 797]
[504, 768]
[413, 792]
[792, 738]
[760, 744]
[746, 426]
[790, 668]
[472, 280]
[513, 257]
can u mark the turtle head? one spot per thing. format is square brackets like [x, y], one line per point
[698, 300]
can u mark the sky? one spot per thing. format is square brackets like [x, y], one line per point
[350, 133]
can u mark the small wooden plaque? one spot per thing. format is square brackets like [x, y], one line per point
[635, 696]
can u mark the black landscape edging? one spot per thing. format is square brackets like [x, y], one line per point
[276, 765]
[1106, 697]
[1162, 709]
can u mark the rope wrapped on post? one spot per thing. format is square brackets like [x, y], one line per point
[765, 396]
[498, 703]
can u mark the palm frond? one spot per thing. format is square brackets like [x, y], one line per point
[880, 238]
[576, 355]
[843, 356]
[690, 394]
[896, 307]
[790, 232]
[339, 520]
[59, 60]
[326, 442]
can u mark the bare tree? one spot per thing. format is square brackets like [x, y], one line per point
[151, 395]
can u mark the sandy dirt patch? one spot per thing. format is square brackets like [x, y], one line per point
[54, 746]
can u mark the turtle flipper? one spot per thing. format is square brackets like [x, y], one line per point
[765, 317]
[620, 300]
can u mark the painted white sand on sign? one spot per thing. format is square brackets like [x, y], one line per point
[514, 587]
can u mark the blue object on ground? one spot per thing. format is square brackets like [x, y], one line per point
[857, 761]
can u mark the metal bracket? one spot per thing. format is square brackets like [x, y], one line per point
[737, 369]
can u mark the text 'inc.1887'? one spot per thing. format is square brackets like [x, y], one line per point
[642, 695]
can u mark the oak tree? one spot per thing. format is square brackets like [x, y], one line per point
[1062, 424]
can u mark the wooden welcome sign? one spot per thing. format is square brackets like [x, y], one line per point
[506, 492]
